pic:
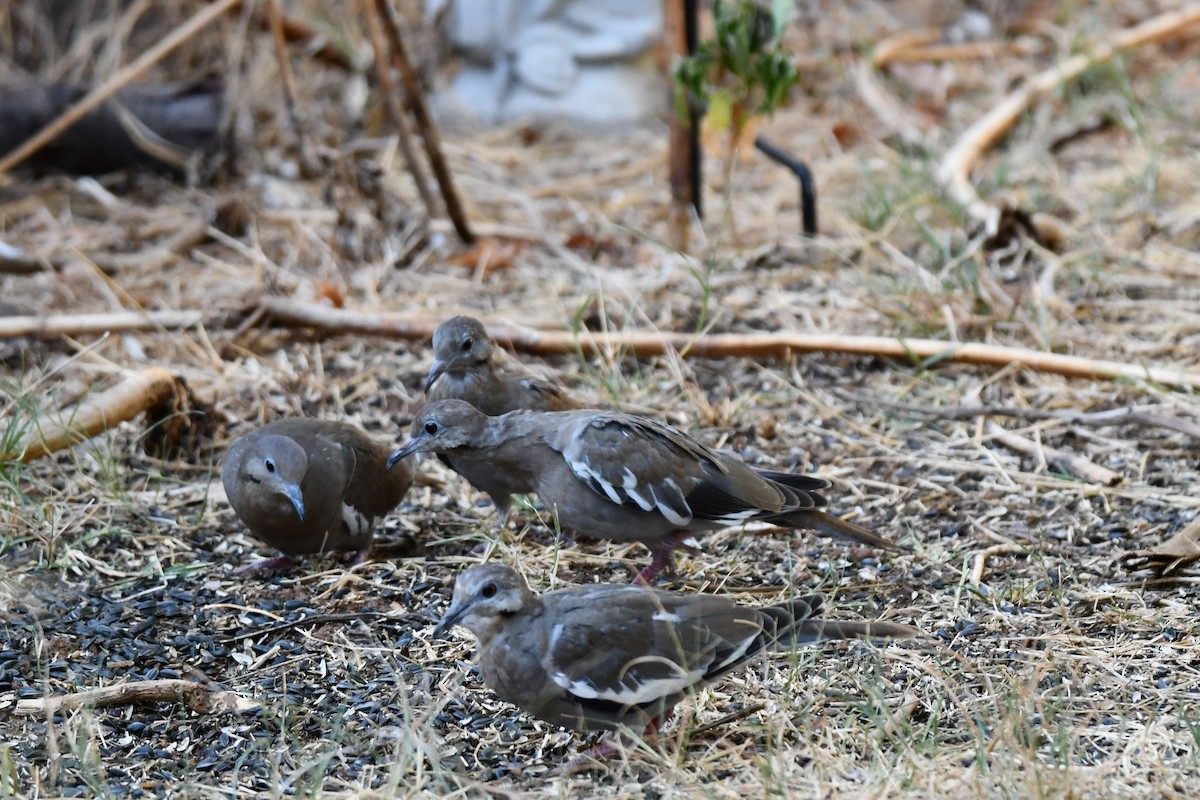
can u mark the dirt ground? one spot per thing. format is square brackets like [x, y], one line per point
[1055, 663]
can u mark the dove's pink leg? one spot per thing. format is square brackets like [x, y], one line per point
[662, 557]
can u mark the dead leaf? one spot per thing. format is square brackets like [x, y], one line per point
[1180, 550]
[331, 292]
[847, 134]
[489, 253]
[590, 243]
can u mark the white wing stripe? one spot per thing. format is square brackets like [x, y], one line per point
[739, 516]
[357, 523]
[631, 480]
[672, 515]
[584, 471]
[644, 503]
[611, 491]
[739, 652]
[630, 691]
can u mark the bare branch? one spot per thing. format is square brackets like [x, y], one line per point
[196, 696]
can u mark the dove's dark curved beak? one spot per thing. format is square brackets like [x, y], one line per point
[435, 372]
[292, 492]
[448, 620]
[405, 450]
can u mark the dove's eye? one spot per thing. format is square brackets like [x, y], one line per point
[269, 464]
[431, 427]
[489, 590]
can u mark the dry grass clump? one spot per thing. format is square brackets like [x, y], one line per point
[1049, 670]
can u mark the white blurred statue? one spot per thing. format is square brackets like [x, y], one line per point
[590, 62]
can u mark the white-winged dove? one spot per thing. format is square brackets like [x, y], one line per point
[617, 476]
[468, 366]
[309, 485]
[599, 657]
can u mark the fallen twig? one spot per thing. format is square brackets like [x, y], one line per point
[778, 344]
[902, 715]
[200, 20]
[1069, 463]
[736, 716]
[995, 550]
[425, 124]
[198, 697]
[149, 259]
[958, 162]
[317, 619]
[389, 96]
[1132, 415]
[924, 46]
[39, 327]
[133, 395]
[907, 124]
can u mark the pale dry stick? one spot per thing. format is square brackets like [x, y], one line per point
[777, 344]
[133, 395]
[888, 49]
[995, 550]
[908, 706]
[93, 99]
[910, 268]
[955, 169]
[922, 45]
[1039, 482]
[150, 258]
[1131, 415]
[905, 123]
[196, 696]
[50, 327]
[505, 230]
[1069, 463]
[735, 716]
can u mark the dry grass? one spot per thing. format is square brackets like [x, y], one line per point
[1048, 671]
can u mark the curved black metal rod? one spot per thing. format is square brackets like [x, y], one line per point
[808, 188]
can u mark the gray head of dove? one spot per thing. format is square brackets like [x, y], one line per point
[483, 597]
[275, 466]
[460, 344]
[443, 426]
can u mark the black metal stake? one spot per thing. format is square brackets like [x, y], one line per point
[691, 34]
[808, 189]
